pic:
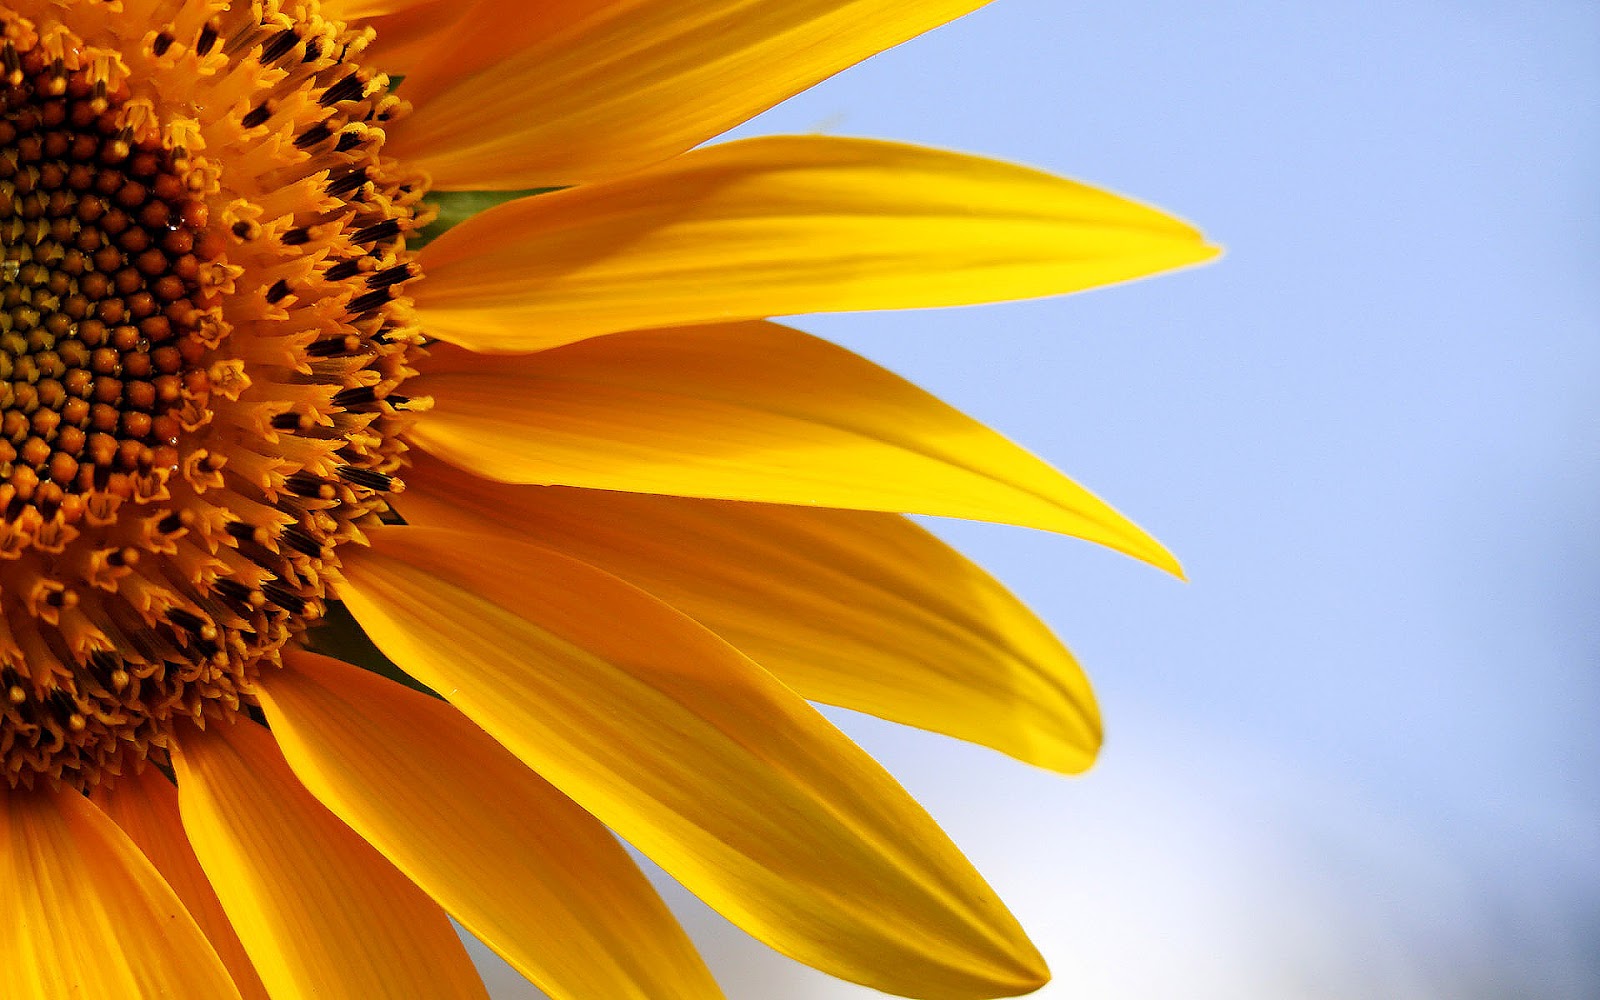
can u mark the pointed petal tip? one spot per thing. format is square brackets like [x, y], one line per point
[1072, 758]
[1170, 563]
[1027, 973]
[1135, 542]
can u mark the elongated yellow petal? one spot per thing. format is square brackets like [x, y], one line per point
[576, 90]
[702, 760]
[516, 862]
[779, 226]
[320, 912]
[145, 806]
[862, 610]
[86, 915]
[748, 411]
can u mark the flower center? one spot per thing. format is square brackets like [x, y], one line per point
[202, 335]
[100, 338]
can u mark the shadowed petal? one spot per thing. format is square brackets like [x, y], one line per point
[86, 914]
[516, 862]
[863, 610]
[319, 910]
[705, 762]
[145, 806]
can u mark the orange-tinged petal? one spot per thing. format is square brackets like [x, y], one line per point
[320, 911]
[862, 610]
[779, 226]
[86, 915]
[583, 89]
[465, 37]
[748, 411]
[515, 861]
[408, 31]
[702, 760]
[365, 10]
[145, 806]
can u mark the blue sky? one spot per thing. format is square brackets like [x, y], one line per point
[1355, 755]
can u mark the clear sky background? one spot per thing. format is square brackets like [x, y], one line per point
[1356, 756]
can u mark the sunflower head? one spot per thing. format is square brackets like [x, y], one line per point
[202, 347]
[643, 527]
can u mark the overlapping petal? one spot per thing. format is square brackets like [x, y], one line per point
[145, 806]
[319, 911]
[571, 91]
[745, 412]
[515, 861]
[778, 226]
[408, 31]
[705, 762]
[87, 915]
[862, 610]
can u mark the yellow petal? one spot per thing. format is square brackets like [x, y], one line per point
[748, 411]
[515, 861]
[145, 806]
[705, 762]
[320, 912]
[408, 31]
[86, 915]
[779, 226]
[862, 610]
[585, 89]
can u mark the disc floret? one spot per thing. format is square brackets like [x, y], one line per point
[203, 334]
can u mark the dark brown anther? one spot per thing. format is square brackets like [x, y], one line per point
[208, 37]
[366, 477]
[313, 135]
[245, 531]
[279, 46]
[379, 231]
[350, 88]
[300, 541]
[370, 301]
[284, 598]
[305, 484]
[356, 396]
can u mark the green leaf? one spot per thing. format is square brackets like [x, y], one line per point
[456, 207]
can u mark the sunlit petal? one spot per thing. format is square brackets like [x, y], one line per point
[575, 90]
[746, 412]
[778, 226]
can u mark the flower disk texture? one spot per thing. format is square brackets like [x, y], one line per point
[202, 344]
[590, 530]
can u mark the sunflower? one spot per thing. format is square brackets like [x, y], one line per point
[269, 364]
